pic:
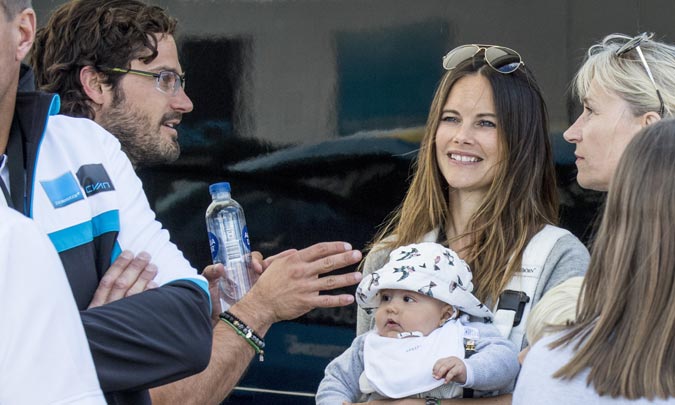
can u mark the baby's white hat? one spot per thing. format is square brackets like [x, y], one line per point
[426, 268]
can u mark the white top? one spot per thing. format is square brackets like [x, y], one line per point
[44, 354]
[537, 386]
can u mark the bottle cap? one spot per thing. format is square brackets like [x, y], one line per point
[219, 188]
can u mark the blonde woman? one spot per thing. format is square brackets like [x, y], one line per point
[484, 186]
[625, 84]
[620, 348]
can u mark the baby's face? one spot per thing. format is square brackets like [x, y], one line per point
[407, 311]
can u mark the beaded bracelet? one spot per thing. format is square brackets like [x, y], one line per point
[243, 330]
[243, 327]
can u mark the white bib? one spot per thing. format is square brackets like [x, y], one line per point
[397, 368]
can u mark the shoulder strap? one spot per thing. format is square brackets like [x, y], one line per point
[515, 303]
[469, 350]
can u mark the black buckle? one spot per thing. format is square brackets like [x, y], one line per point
[513, 301]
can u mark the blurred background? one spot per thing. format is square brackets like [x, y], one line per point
[313, 111]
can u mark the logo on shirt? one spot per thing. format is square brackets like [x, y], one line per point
[94, 179]
[63, 190]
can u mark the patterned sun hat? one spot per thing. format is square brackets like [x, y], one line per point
[425, 268]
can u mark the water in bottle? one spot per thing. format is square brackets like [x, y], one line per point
[228, 238]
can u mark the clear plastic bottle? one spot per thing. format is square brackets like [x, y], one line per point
[228, 239]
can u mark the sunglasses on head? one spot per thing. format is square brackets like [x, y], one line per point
[634, 44]
[500, 58]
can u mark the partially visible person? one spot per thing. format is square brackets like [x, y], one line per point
[620, 348]
[558, 307]
[422, 299]
[44, 355]
[71, 177]
[624, 84]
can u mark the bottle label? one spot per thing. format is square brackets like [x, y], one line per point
[244, 237]
[214, 245]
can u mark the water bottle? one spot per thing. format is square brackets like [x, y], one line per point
[228, 239]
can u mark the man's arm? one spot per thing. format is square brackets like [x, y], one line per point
[149, 339]
[130, 275]
[288, 288]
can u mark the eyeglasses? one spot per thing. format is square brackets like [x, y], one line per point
[502, 59]
[167, 81]
[635, 44]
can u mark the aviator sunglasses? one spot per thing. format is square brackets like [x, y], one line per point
[500, 58]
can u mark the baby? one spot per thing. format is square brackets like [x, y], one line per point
[422, 299]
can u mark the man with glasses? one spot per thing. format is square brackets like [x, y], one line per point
[71, 177]
[124, 74]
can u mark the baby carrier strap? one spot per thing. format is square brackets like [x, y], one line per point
[516, 300]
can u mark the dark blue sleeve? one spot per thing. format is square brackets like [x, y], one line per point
[150, 339]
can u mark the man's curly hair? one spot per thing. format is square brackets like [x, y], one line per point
[96, 33]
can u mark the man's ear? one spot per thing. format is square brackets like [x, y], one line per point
[92, 84]
[26, 26]
[649, 118]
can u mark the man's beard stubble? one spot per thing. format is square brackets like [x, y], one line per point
[140, 139]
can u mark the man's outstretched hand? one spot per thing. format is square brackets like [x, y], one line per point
[290, 285]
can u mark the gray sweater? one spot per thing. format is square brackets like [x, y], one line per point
[536, 384]
[494, 367]
[568, 258]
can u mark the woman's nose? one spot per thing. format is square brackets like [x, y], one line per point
[573, 133]
[463, 135]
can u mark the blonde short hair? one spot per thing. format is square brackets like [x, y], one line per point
[626, 76]
[557, 307]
